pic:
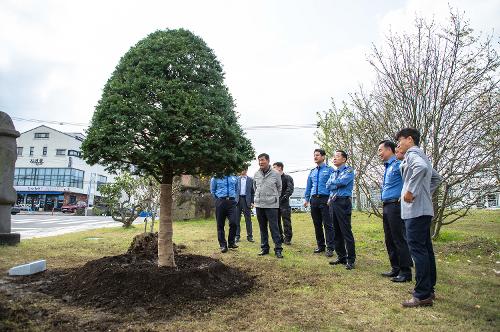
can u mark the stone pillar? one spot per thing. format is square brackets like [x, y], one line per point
[8, 196]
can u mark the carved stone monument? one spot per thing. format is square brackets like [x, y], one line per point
[8, 196]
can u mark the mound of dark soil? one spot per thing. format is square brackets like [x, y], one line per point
[146, 246]
[133, 280]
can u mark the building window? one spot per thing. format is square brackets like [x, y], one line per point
[74, 153]
[41, 135]
[101, 179]
[32, 151]
[54, 177]
[20, 151]
[44, 151]
[60, 152]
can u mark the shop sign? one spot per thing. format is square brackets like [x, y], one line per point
[38, 161]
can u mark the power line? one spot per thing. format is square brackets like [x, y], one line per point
[282, 127]
[62, 123]
[262, 127]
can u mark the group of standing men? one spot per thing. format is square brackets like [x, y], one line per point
[269, 192]
[407, 187]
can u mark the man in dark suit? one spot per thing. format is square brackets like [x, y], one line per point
[285, 211]
[244, 204]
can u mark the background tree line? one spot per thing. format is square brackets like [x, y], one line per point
[442, 79]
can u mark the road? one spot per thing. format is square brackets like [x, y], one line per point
[33, 225]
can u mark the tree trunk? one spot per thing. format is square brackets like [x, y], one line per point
[436, 228]
[165, 231]
[358, 198]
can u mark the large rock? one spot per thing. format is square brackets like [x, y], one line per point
[8, 196]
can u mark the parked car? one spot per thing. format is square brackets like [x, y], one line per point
[71, 208]
[15, 210]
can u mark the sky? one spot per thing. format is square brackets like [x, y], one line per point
[284, 61]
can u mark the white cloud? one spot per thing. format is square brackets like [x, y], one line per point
[284, 60]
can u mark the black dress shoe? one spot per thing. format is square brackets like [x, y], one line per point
[414, 302]
[329, 253]
[233, 246]
[223, 249]
[433, 295]
[279, 254]
[401, 278]
[250, 239]
[318, 250]
[391, 274]
[349, 266]
[337, 262]
[263, 252]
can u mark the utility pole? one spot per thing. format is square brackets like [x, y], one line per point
[90, 193]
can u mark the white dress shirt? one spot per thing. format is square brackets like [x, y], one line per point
[243, 186]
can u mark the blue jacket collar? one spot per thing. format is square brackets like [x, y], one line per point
[341, 168]
[390, 161]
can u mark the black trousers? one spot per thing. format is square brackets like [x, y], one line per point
[418, 233]
[395, 239]
[322, 219]
[243, 208]
[285, 223]
[341, 209]
[225, 209]
[269, 217]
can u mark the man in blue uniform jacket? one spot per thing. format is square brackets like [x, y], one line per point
[394, 229]
[317, 196]
[225, 191]
[340, 185]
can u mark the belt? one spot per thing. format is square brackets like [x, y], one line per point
[319, 196]
[227, 198]
[336, 198]
[390, 201]
[243, 195]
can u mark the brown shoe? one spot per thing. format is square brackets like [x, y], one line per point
[433, 295]
[414, 302]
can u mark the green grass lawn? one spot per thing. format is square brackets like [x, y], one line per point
[302, 291]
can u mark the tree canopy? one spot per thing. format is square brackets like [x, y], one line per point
[166, 111]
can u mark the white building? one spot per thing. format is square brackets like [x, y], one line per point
[50, 172]
[297, 199]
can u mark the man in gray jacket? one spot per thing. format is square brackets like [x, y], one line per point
[419, 183]
[267, 186]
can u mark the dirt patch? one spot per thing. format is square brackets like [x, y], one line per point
[13, 319]
[474, 246]
[133, 283]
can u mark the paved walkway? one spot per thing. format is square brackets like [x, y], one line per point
[42, 225]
